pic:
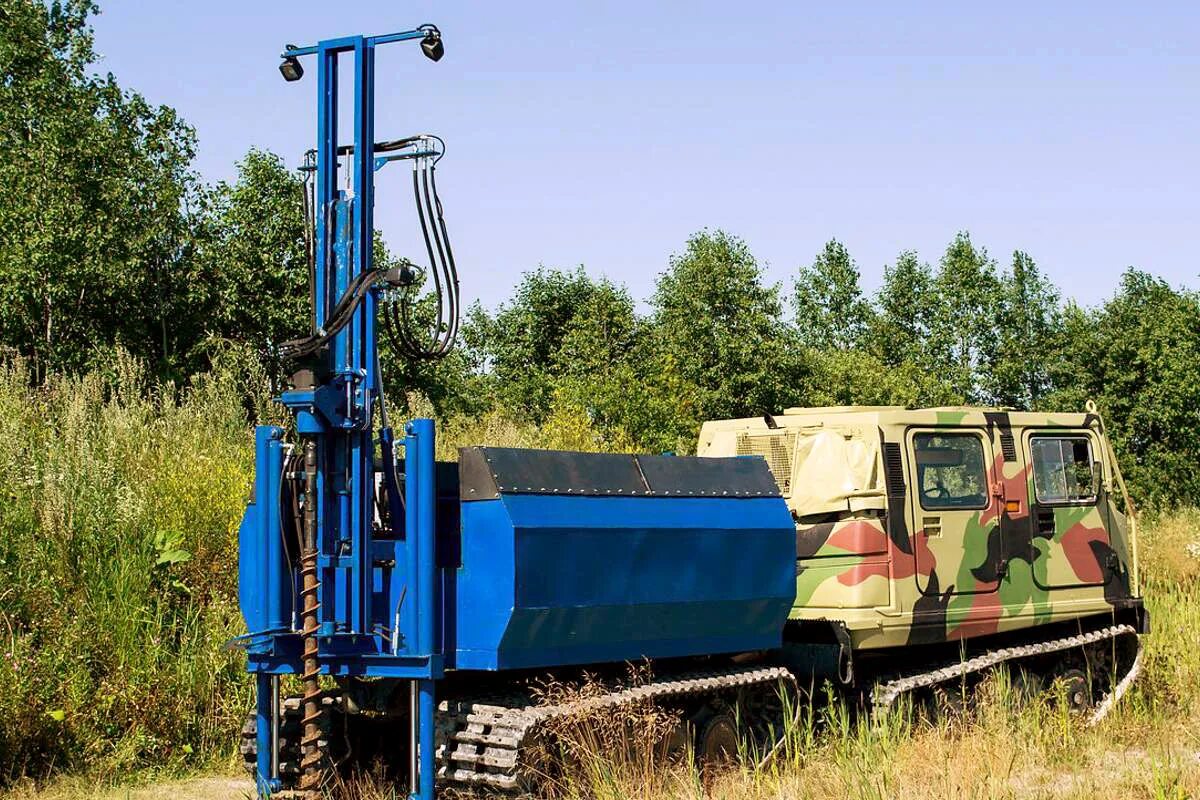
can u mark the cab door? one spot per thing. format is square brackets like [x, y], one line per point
[1071, 546]
[955, 512]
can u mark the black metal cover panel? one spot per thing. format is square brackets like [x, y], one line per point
[708, 477]
[487, 472]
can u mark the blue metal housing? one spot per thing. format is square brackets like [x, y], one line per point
[548, 580]
[532, 579]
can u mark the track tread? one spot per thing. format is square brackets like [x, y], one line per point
[885, 694]
[480, 744]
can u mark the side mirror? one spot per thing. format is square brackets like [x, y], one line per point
[1097, 477]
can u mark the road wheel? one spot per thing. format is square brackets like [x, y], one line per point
[949, 701]
[716, 743]
[1076, 689]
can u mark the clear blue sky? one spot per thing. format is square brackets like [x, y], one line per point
[604, 133]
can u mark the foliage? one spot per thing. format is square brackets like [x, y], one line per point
[831, 312]
[906, 305]
[139, 314]
[107, 240]
[1027, 326]
[521, 346]
[962, 334]
[719, 334]
[1138, 356]
[253, 258]
[858, 377]
[97, 207]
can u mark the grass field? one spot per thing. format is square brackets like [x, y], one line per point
[119, 502]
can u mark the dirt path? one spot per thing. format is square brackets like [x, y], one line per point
[205, 788]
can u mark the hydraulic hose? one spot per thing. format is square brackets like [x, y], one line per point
[343, 312]
[436, 338]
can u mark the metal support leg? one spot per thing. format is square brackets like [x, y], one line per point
[267, 711]
[414, 738]
[425, 721]
[276, 717]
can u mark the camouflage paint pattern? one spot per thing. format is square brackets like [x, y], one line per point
[898, 573]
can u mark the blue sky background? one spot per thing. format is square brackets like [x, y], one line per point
[604, 133]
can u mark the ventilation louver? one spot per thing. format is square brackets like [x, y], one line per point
[777, 449]
[893, 466]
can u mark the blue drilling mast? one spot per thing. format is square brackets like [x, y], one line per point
[386, 582]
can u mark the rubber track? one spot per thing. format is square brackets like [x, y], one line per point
[290, 728]
[480, 743]
[885, 695]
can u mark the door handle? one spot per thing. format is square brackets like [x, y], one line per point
[931, 526]
[1045, 522]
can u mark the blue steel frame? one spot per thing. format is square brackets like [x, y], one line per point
[337, 416]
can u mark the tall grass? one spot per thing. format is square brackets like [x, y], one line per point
[119, 501]
[1008, 747]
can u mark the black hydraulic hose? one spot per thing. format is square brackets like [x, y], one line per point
[437, 344]
[434, 265]
[438, 223]
[453, 268]
[433, 224]
[388, 146]
[399, 324]
[409, 336]
[338, 319]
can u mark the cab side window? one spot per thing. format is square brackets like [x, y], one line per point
[950, 470]
[1062, 469]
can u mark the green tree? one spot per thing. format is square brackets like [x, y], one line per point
[719, 338]
[1028, 320]
[96, 213]
[519, 346]
[962, 335]
[831, 313]
[597, 370]
[1068, 365]
[906, 301]
[859, 377]
[1138, 357]
[253, 256]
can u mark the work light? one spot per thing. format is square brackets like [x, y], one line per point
[432, 45]
[290, 67]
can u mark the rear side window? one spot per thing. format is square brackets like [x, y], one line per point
[950, 470]
[1062, 469]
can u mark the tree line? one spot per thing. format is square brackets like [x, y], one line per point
[109, 239]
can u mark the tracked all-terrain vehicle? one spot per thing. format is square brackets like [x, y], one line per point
[419, 605]
[935, 544]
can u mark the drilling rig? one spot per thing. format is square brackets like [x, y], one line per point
[414, 601]
[385, 576]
